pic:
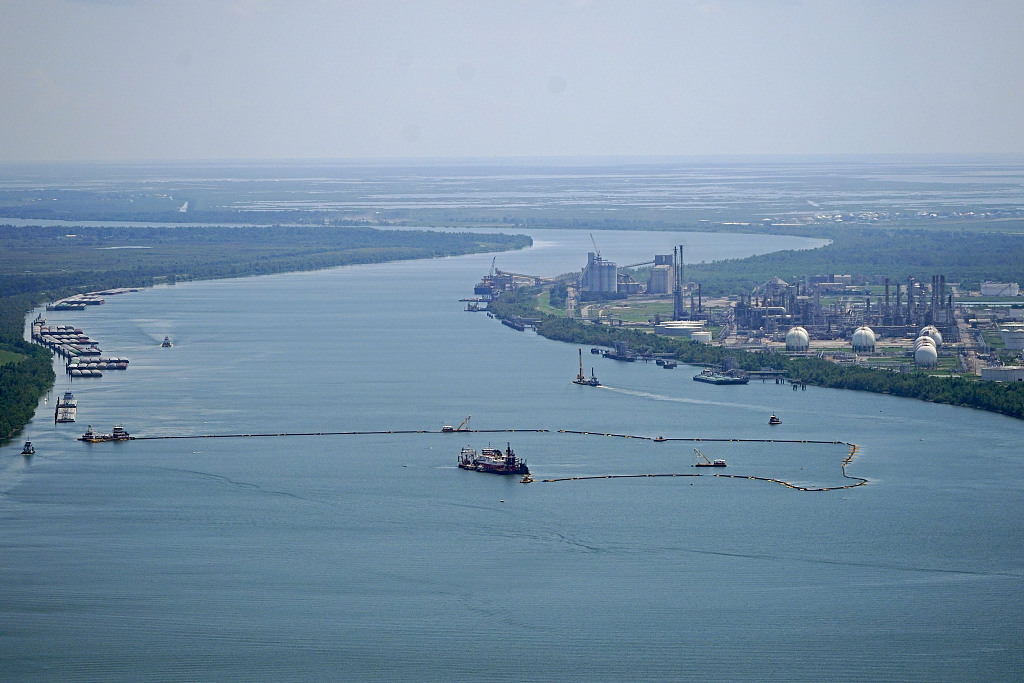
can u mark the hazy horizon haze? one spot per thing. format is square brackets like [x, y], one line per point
[119, 80]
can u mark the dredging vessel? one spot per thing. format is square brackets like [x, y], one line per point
[492, 460]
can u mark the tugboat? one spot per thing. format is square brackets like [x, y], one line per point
[659, 439]
[119, 434]
[67, 408]
[92, 436]
[773, 420]
[166, 343]
[582, 380]
[29, 449]
[492, 460]
[702, 460]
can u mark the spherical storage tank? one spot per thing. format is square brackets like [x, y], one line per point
[797, 339]
[925, 353]
[933, 332]
[863, 339]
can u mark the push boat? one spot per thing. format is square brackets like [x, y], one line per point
[67, 408]
[703, 461]
[492, 460]
[773, 420]
[29, 449]
[166, 343]
[92, 436]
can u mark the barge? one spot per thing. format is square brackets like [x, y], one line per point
[712, 377]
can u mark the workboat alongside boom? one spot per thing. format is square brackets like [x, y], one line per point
[492, 460]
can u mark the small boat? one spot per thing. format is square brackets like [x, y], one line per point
[703, 461]
[773, 420]
[669, 364]
[29, 449]
[659, 439]
[166, 343]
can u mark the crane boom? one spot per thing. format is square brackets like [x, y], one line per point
[597, 252]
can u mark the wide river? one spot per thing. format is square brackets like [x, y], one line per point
[372, 557]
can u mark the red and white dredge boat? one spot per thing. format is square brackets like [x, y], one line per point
[492, 460]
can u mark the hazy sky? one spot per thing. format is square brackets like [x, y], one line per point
[244, 79]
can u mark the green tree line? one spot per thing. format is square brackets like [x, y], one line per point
[1006, 398]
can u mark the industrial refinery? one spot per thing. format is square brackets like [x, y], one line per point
[870, 320]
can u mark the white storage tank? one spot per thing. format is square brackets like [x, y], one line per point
[863, 339]
[702, 337]
[933, 332]
[925, 356]
[797, 339]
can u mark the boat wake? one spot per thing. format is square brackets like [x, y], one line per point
[677, 399]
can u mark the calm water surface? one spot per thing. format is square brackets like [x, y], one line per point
[373, 558]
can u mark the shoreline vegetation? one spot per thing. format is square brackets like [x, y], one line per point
[97, 258]
[1004, 398]
[41, 264]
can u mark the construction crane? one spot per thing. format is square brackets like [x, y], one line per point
[465, 423]
[703, 461]
[597, 252]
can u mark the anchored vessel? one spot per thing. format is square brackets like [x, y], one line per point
[29, 449]
[582, 379]
[702, 461]
[711, 377]
[492, 460]
[67, 408]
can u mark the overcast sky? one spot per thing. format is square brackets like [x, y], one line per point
[265, 79]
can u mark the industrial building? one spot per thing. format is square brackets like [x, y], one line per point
[1004, 373]
[989, 288]
[599, 275]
